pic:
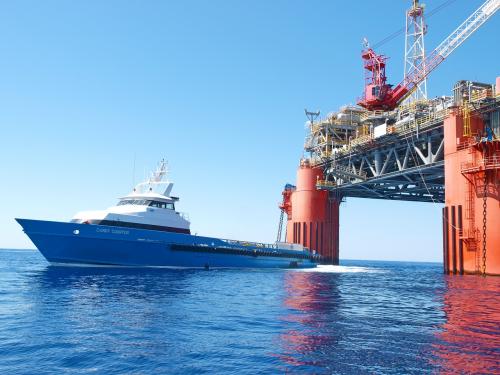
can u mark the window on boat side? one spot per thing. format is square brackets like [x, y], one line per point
[157, 204]
[137, 202]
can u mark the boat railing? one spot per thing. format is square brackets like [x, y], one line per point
[251, 244]
[257, 244]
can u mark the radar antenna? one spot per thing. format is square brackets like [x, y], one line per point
[160, 172]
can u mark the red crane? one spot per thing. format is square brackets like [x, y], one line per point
[379, 95]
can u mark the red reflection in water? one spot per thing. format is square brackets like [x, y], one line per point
[311, 297]
[470, 340]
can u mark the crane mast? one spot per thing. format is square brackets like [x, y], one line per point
[379, 95]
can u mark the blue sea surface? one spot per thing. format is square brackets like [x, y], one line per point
[360, 317]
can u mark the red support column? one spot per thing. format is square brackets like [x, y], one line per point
[469, 162]
[315, 214]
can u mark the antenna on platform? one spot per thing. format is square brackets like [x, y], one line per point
[311, 116]
[366, 43]
[415, 48]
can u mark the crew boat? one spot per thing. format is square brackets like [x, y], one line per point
[145, 230]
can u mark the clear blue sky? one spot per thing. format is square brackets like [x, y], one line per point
[218, 88]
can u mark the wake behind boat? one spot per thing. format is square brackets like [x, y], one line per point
[145, 230]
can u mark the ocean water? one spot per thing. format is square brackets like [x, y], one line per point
[360, 317]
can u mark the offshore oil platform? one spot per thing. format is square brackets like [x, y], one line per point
[397, 144]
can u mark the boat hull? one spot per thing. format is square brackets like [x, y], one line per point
[73, 243]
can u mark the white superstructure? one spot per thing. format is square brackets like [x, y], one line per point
[148, 206]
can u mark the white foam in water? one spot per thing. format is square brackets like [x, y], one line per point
[325, 268]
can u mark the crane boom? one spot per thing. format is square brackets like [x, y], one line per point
[381, 96]
[471, 24]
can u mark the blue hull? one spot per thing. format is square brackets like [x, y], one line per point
[75, 243]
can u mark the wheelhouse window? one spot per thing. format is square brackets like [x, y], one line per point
[150, 203]
[165, 205]
[137, 202]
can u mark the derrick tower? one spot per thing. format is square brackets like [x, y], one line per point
[415, 49]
